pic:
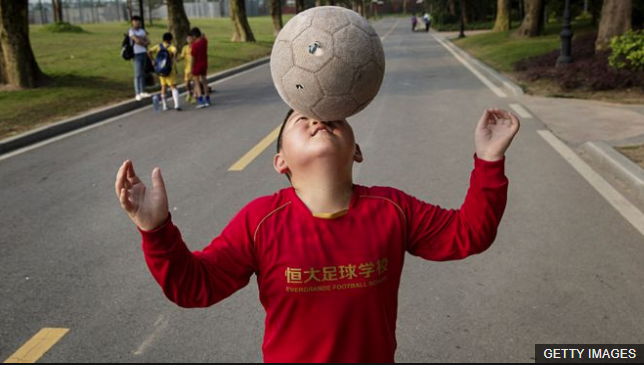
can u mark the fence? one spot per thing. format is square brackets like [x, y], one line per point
[101, 11]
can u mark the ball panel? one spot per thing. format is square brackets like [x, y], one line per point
[367, 82]
[330, 19]
[281, 59]
[302, 89]
[312, 49]
[335, 107]
[336, 77]
[378, 51]
[353, 46]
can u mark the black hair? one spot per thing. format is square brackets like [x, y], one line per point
[135, 17]
[195, 32]
[279, 136]
[167, 37]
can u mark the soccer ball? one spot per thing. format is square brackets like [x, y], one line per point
[328, 63]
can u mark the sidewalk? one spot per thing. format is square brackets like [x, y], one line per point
[592, 128]
[593, 120]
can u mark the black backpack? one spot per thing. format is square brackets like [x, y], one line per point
[163, 62]
[127, 49]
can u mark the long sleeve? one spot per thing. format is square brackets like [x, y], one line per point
[201, 278]
[440, 235]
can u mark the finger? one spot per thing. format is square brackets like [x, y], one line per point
[515, 122]
[501, 114]
[485, 119]
[120, 179]
[131, 174]
[124, 198]
[157, 180]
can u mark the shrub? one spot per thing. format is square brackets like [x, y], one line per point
[63, 27]
[628, 51]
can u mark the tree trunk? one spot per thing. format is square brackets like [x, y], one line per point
[299, 6]
[595, 10]
[358, 7]
[318, 3]
[532, 25]
[276, 14]
[57, 7]
[452, 7]
[615, 20]
[3, 69]
[241, 31]
[463, 7]
[18, 63]
[178, 23]
[404, 8]
[502, 22]
[330, 2]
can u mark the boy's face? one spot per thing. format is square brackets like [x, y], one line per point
[189, 39]
[306, 140]
[136, 24]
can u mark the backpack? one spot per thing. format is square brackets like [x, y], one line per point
[127, 49]
[163, 62]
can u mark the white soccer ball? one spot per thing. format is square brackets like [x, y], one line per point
[328, 63]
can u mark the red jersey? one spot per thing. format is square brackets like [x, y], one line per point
[199, 52]
[329, 285]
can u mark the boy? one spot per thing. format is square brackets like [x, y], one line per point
[169, 80]
[328, 254]
[199, 52]
[187, 73]
[140, 40]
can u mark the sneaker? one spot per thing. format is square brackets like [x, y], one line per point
[188, 98]
[165, 108]
[138, 97]
[201, 105]
[145, 95]
[178, 109]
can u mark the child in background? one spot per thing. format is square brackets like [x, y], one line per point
[199, 52]
[169, 80]
[187, 73]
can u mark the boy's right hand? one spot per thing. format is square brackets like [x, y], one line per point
[148, 208]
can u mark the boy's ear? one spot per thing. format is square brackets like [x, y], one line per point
[358, 157]
[279, 163]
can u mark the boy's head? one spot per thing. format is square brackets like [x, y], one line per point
[189, 38]
[136, 22]
[302, 141]
[167, 37]
[195, 32]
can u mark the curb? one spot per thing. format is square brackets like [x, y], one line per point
[496, 77]
[99, 115]
[616, 163]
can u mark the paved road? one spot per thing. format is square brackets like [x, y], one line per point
[566, 267]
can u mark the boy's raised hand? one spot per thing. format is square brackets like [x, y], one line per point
[494, 133]
[148, 208]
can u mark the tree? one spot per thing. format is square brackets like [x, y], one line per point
[276, 14]
[502, 22]
[358, 7]
[178, 23]
[532, 24]
[299, 6]
[57, 6]
[615, 21]
[241, 28]
[18, 61]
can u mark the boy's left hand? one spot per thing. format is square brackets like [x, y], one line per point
[494, 133]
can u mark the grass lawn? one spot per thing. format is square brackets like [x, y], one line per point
[87, 71]
[500, 50]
